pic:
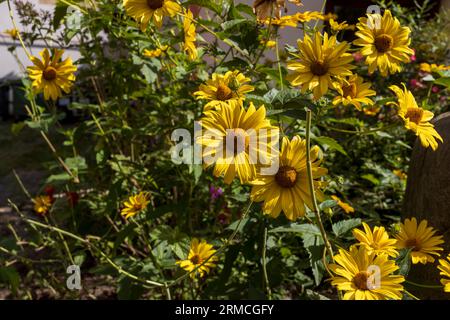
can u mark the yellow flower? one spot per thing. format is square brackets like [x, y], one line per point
[444, 266]
[198, 253]
[145, 10]
[366, 276]
[264, 8]
[425, 67]
[376, 241]
[416, 119]
[222, 90]
[321, 60]
[421, 239]
[155, 53]
[335, 26]
[344, 206]
[135, 204]
[51, 75]
[371, 110]
[385, 42]
[288, 190]
[400, 174]
[329, 16]
[229, 140]
[269, 44]
[355, 91]
[13, 33]
[285, 21]
[302, 17]
[42, 204]
[189, 36]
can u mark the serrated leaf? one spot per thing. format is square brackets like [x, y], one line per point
[206, 4]
[404, 261]
[342, 227]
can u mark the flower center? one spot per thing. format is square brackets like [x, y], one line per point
[195, 259]
[319, 68]
[412, 243]
[286, 177]
[240, 141]
[155, 4]
[350, 90]
[414, 115]
[384, 43]
[49, 74]
[224, 92]
[360, 280]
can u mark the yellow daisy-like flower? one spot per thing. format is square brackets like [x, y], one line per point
[288, 190]
[135, 204]
[355, 91]
[189, 36]
[366, 276]
[198, 253]
[155, 10]
[222, 90]
[321, 60]
[237, 141]
[376, 241]
[285, 21]
[425, 67]
[336, 26]
[42, 204]
[13, 33]
[385, 42]
[307, 16]
[421, 239]
[416, 119]
[444, 267]
[155, 53]
[51, 75]
[344, 206]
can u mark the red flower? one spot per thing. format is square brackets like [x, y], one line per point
[72, 198]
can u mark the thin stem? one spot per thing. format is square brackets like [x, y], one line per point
[311, 183]
[312, 190]
[264, 265]
[279, 62]
[411, 295]
[89, 244]
[428, 286]
[11, 15]
[324, 3]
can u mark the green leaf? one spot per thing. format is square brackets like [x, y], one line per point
[232, 23]
[443, 82]
[206, 4]
[370, 177]
[9, 276]
[315, 259]
[331, 143]
[342, 227]
[404, 261]
[59, 14]
[17, 127]
[310, 233]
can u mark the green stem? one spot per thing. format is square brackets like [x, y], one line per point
[264, 265]
[279, 63]
[427, 286]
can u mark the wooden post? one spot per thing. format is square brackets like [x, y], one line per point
[428, 197]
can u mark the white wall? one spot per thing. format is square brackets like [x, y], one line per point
[8, 64]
